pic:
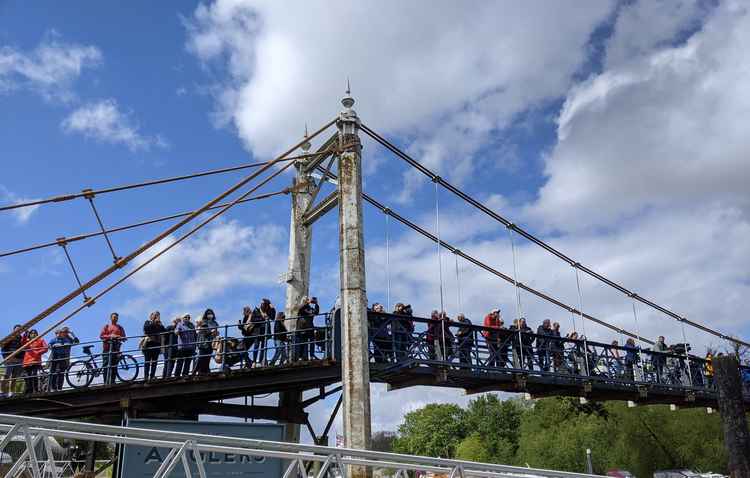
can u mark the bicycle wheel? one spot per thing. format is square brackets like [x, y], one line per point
[127, 368]
[80, 374]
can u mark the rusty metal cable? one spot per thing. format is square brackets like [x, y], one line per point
[146, 246]
[124, 278]
[147, 222]
[390, 212]
[68, 197]
[509, 224]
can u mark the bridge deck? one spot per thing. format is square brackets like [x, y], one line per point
[402, 354]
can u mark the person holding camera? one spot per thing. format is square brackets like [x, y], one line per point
[403, 330]
[305, 334]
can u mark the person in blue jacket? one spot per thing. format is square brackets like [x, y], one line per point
[59, 358]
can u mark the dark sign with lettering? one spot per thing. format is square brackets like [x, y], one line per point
[141, 461]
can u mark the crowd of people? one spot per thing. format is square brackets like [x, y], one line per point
[182, 347]
[266, 337]
[545, 350]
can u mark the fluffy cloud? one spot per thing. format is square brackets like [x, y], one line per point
[226, 255]
[440, 73]
[103, 121]
[49, 69]
[663, 130]
[22, 215]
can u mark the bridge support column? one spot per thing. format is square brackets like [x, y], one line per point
[298, 277]
[732, 409]
[355, 370]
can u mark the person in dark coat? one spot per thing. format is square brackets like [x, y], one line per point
[170, 347]
[543, 333]
[13, 366]
[465, 339]
[556, 347]
[305, 333]
[59, 358]
[154, 338]
[404, 329]
[379, 335]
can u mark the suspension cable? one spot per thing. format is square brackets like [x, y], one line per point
[583, 322]
[687, 356]
[134, 225]
[519, 313]
[440, 265]
[489, 212]
[638, 333]
[177, 241]
[439, 249]
[387, 263]
[146, 246]
[458, 286]
[374, 202]
[68, 197]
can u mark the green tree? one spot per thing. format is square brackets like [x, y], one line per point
[496, 423]
[434, 430]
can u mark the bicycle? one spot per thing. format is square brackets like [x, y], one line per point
[81, 373]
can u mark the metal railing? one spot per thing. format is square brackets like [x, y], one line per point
[167, 355]
[428, 342]
[190, 448]
[394, 339]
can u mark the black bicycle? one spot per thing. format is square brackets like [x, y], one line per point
[81, 373]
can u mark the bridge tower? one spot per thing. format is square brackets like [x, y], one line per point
[353, 296]
[355, 371]
[298, 275]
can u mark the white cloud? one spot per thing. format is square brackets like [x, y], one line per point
[49, 69]
[103, 121]
[441, 73]
[226, 256]
[23, 214]
[642, 26]
[663, 130]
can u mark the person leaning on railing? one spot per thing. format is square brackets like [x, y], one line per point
[60, 356]
[13, 366]
[151, 343]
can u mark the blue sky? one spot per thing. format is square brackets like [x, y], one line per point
[611, 129]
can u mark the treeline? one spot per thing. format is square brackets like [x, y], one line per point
[555, 433]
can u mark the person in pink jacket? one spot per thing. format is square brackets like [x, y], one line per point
[32, 360]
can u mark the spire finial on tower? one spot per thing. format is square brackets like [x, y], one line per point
[306, 145]
[347, 100]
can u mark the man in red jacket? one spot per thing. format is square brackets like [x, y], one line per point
[493, 323]
[112, 336]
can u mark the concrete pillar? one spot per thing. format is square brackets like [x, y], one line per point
[732, 409]
[298, 275]
[354, 367]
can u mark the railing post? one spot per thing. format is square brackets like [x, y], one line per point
[30, 448]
